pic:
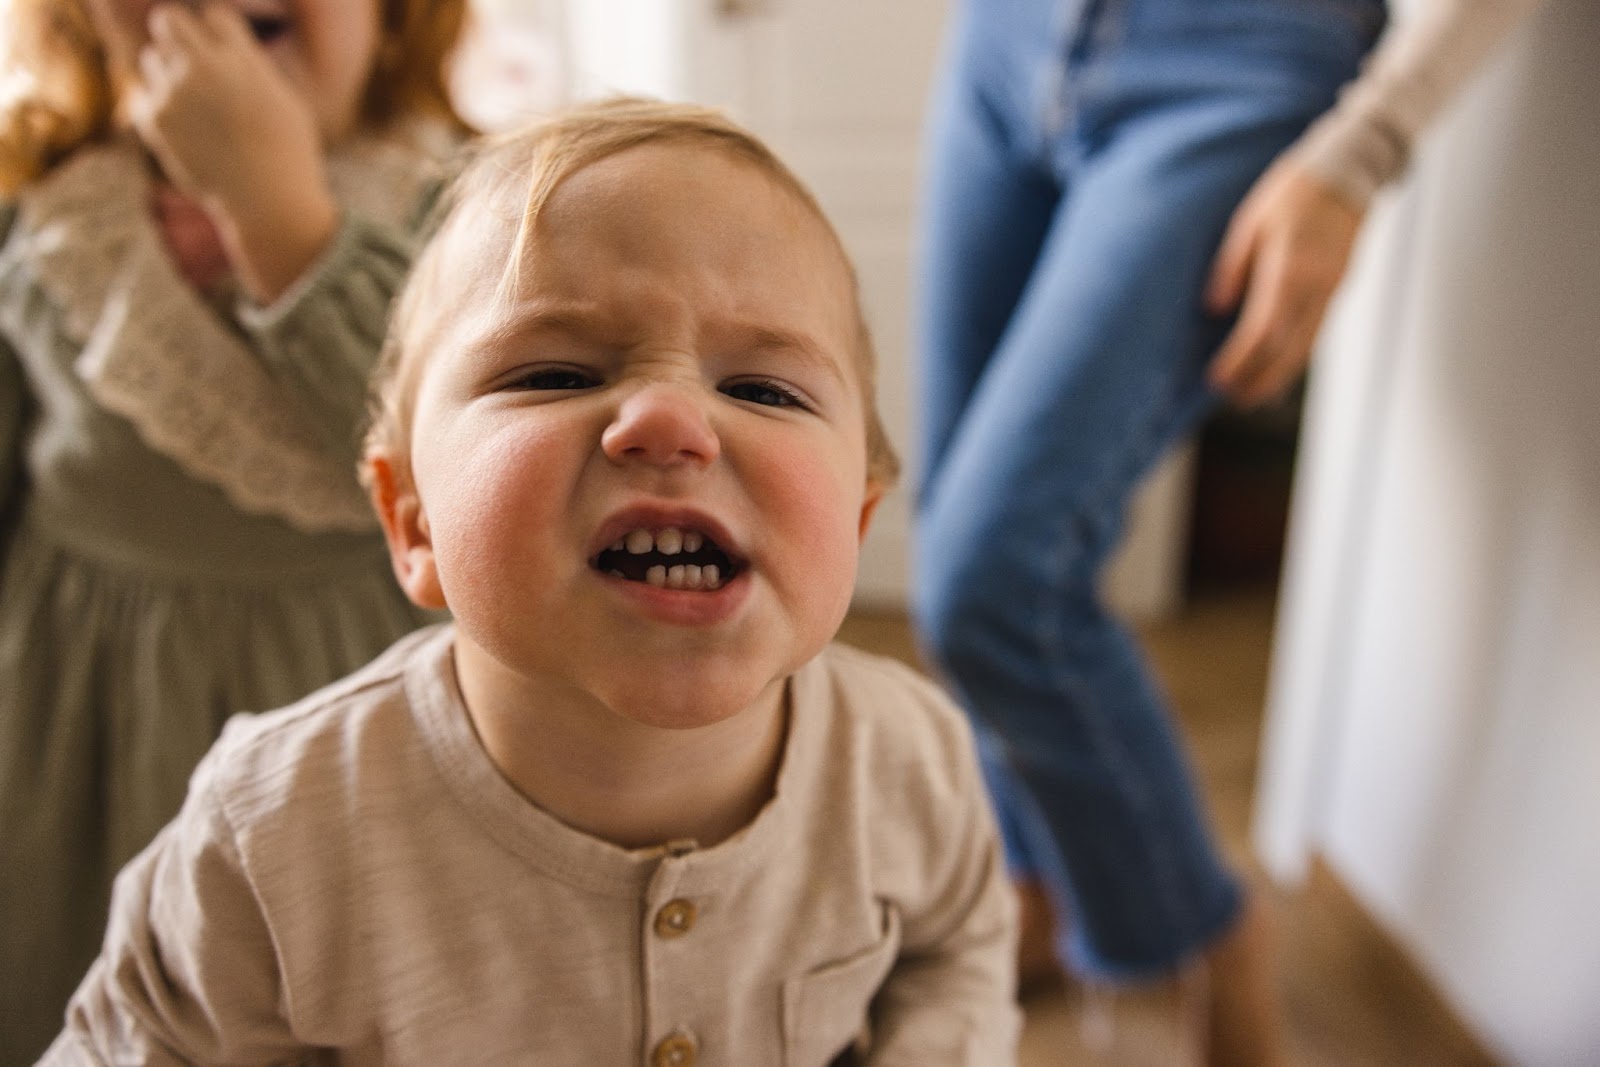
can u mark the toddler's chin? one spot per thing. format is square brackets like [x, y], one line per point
[686, 705]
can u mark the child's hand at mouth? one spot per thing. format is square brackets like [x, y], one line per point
[230, 130]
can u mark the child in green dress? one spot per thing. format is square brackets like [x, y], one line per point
[205, 213]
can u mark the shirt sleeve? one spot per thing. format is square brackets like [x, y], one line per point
[188, 972]
[1366, 139]
[320, 339]
[950, 998]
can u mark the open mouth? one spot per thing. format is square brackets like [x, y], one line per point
[669, 558]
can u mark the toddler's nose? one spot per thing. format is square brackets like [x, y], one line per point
[662, 424]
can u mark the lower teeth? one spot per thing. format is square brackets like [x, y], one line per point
[684, 577]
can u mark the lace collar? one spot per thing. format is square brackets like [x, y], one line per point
[153, 351]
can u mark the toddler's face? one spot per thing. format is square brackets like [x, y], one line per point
[324, 48]
[646, 479]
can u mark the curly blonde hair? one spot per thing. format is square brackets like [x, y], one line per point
[537, 159]
[57, 88]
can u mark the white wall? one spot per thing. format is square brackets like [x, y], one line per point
[1435, 718]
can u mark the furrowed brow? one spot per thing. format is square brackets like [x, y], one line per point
[785, 342]
[572, 319]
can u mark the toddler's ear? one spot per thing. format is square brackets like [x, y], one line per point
[869, 506]
[405, 528]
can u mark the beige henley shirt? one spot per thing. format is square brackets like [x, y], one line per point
[351, 880]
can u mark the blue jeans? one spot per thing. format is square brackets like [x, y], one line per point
[1085, 158]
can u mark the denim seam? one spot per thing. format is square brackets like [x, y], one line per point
[1159, 854]
[1093, 26]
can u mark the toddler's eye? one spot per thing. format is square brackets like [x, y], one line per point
[766, 392]
[555, 378]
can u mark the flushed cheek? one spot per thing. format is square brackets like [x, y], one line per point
[815, 509]
[497, 513]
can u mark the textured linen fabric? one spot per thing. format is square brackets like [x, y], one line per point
[139, 607]
[351, 880]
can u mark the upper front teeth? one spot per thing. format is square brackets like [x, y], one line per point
[668, 542]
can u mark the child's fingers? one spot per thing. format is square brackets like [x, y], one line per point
[155, 73]
[140, 105]
[166, 57]
[173, 27]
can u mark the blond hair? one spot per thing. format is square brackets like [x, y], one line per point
[61, 92]
[541, 157]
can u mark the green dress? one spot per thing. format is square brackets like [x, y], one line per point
[177, 546]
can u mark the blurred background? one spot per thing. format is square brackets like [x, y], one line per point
[1376, 604]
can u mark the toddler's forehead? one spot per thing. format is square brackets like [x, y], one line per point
[685, 180]
[468, 258]
[487, 259]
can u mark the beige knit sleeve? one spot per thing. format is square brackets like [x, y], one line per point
[188, 972]
[1365, 140]
[950, 997]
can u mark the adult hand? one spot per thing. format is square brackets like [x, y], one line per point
[1282, 258]
[231, 131]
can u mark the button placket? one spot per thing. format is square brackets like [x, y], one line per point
[675, 918]
[669, 914]
[677, 1049]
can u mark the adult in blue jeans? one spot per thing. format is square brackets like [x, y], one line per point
[1133, 207]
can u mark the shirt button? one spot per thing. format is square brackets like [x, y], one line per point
[675, 918]
[675, 1050]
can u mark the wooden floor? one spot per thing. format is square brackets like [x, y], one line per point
[1350, 995]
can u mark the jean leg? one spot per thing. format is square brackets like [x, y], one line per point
[986, 207]
[984, 213]
[1030, 852]
[1100, 367]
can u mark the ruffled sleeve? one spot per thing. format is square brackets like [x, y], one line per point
[265, 404]
[188, 972]
[319, 340]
